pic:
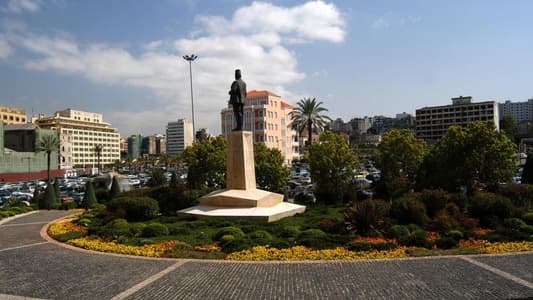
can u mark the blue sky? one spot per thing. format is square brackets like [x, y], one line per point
[123, 58]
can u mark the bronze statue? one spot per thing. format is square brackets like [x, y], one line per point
[237, 99]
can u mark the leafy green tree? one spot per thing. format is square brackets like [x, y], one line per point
[157, 178]
[48, 143]
[332, 163]
[49, 199]
[115, 188]
[467, 157]
[89, 198]
[270, 173]
[398, 156]
[206, 162]
[309, 115]
[509, 126]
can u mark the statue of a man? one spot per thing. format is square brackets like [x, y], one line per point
[237, 98]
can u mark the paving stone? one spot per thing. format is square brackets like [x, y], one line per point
[41, 216]
[519, 265]
[395, 279]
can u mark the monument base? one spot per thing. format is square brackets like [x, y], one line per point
[241, 198]
[264, 214]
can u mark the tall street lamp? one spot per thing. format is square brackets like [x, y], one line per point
[190, 59]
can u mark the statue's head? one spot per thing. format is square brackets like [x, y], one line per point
[238, 74]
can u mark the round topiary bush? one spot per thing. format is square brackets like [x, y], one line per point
[260, 237]
[455, 234]
[176, 228]
[137, 228]
[289, 232]
[135, 208]
[115, 229]
[313, 238]
[236, 232]
[229, 243]
[397, 232]
[528, 218]
[446, 242]
[418, 238]
[154, 229]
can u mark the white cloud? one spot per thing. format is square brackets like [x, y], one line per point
[410, 20]
[255, 40]
[380, 23]
[19, 6]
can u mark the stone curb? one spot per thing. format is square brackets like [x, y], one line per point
[9, 219]
[44, 235]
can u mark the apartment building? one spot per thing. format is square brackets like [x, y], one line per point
[180, 135]
[155, 144]
[79, 133]
[12, 115]
[433, 122]
[134, 146]
[521, 111]
[268, 117]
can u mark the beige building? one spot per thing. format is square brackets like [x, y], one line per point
[79, 133]
[180, 135]
[268, 117]
[433, 122]
[12, 115]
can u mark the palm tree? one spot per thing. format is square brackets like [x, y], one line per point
[308, 115]
[98, 151]
[48, 143]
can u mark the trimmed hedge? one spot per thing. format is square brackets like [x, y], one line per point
[134, 208]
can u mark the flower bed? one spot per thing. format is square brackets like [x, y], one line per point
[151, 250]
[261, 253]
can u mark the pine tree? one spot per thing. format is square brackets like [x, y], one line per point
[36, 196]
[49, 199]
[89, 198]
[115, 188]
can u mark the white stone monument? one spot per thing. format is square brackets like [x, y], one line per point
[241, 198]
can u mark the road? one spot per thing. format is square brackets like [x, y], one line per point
[33, 267]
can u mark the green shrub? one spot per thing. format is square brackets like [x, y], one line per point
[83, 221]
[331, 225]
[102, 195]
[528, 218]
[154, 229]
[177, 228]
[230, 243]
[313, 238]
[459, 199]
[260, 237]
[366, 216]
[115, 229]
[521, 195]
[135, 209]
[289, 232]
[89, 198]
[4, 214]
[115, 188]
[513, 223]
[397, 232]
[236, 232]
[281, 244]
[408, 209]
[434, 200]
[69, 236]
[443, 222]
[49, 199]
[527, 229]
[446, 242]
[418, 238]
[488, 204]
[69, 205]
[455, 234]
[137, 228]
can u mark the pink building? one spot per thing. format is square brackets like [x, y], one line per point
[268, 117]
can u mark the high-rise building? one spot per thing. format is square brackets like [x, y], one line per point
[268, 117]
[155, 144]
[433, 122]
[134, 146]
[521, 111]
[180, 135]
[79, 133]
[360, 125]
[12, 115]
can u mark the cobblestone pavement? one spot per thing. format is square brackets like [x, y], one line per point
[33, 267]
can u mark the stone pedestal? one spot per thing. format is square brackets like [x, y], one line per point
[241, 198]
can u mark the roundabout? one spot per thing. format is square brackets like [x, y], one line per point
[32, 265]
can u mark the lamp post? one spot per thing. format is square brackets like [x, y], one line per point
[190, 59]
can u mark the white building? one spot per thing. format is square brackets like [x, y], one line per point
[521, 111]
[180, 135]
[433, 122]
[79, 133]
[268, 117]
